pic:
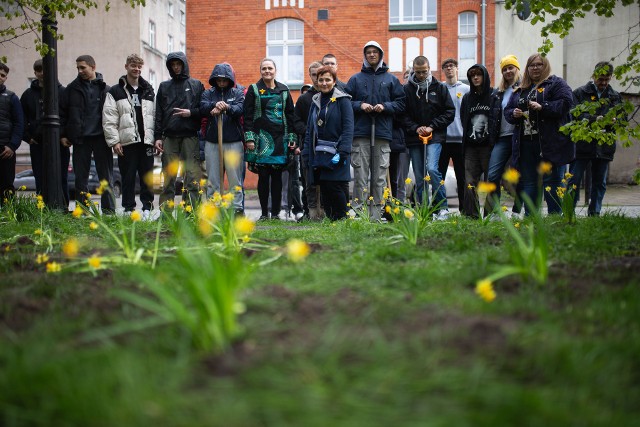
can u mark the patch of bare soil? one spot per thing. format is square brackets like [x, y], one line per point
[580, 284]
[20, 309]
[299, 323]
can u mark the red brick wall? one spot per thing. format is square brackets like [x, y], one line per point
[235, 32]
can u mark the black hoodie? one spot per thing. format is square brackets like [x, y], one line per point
[181, 91]
[476, 115]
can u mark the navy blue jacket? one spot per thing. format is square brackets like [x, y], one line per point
[433, 107]
[11, 119]
[338, 127]
[375, 87]
[231, 128]
[556, 98]
[589, 93]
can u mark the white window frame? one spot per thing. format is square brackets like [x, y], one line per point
[152, 78]
[429, 16]
[183, 17]
[169, 43]
[283, 72]
[466, 36]
[183, 47]
[170, 9]
[152, 34]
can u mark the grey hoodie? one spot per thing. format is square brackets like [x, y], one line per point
[457, 91]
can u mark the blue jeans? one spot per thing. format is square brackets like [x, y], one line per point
[599, 169]
[417, 160]
[529, 160]
[500, 155]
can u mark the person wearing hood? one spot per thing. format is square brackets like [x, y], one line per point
[429, 111]
[128, 120]
[224, 102]
[476, 112]
[599, 155]
[377, 96]
[33, 108]
[538, 109]
[81, 126]
[501, 152]
[269, 134]
[176, 128]
[330, 124]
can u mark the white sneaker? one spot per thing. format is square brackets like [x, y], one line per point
[299, 216]
[146, 215]
[443, 215]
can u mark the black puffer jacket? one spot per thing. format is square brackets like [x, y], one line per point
[432, 107]
[589, 93]
[33, 108]
[180, 92]
[73, 112]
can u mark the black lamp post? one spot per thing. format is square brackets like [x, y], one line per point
[51, 177]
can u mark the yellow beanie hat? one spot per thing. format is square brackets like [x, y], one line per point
[509, 60]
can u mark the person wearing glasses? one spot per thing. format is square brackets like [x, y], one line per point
[429, 111]
[538, 108]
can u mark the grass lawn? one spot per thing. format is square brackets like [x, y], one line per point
[361, 333]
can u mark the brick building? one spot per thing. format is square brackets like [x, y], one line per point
[296, 32]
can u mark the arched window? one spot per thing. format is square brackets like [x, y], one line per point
[285, 45]
[467, 42]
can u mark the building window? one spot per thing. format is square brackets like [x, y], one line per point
[152, 78]
[403, 12]
[169, 43]
[183, 18]
[152, 34]
[170, 9]
[183, 47]
[467, 41]
[285, 45]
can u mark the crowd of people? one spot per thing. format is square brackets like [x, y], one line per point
[373, 126]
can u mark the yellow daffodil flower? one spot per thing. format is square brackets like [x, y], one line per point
[484, 289]
[53, 267]
[135, 216]
[297, 250]
[243, 225]
[70, 247]
[544, 168]
[486, 187]
[512, 176]
[94, 262]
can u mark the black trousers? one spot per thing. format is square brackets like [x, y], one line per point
[295, 187]
[103, 157]
[454, 151]
[37, 164]
[335, 195]
[7, 176]
[269, 181]
[137, 160]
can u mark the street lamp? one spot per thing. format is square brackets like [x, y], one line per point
[52, 192]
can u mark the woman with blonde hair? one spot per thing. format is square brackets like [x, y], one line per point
[537, 109]
[501, 152]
